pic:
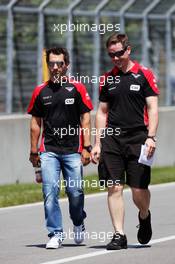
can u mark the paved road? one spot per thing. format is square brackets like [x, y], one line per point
[23, 235]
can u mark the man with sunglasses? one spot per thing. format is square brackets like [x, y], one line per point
[62, 108]
[129, 110]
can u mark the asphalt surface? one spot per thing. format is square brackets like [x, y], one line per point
[23, 235]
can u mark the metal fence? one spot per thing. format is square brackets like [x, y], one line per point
[28, 26]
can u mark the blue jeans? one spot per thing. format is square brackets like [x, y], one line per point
[71, 166]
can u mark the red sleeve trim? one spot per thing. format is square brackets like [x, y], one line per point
[80, 147]
[146, 119]
[103, 78]
[150, 77]
[42, 146]
[84, 94]
[34, 96]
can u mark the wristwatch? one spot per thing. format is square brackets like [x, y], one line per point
[34, 153]
[88, 148]
[153, 138]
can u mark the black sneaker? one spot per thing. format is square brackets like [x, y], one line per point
[145, 231]
[118, 242]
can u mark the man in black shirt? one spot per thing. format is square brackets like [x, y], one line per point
[128, 110]
[63, 107]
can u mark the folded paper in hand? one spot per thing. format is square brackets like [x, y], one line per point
[143, 157]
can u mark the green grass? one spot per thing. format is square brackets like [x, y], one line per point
[163, 175]
[15, 194]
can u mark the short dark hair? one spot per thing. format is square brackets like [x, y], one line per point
[58, 51]
[118, 38]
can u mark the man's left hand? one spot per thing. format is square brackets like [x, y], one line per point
[151, 146]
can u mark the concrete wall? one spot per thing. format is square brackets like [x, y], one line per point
[14, 151]
[165, 153]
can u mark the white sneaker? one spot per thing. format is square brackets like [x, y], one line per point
[79, 233]
[55, 241]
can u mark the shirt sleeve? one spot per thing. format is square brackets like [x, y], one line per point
[103, 97]
[35, 107]
[103, 91]
[150, 86]
[84, 101]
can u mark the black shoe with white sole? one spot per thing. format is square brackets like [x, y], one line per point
[118, 242]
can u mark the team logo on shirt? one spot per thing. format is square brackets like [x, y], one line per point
[135, 87]
[69, 101]
[47, 97]
[47, 100]
[69, 88]
[112, 88]
[135, 75]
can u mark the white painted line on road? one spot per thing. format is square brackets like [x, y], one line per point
[87, 196]
[163, 239]
[104, 252]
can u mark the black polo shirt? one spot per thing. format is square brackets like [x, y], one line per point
[125, 94]
[60, 107]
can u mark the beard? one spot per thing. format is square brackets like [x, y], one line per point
[57, 76]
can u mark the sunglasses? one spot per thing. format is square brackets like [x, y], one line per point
[58, 63]
[117, 53]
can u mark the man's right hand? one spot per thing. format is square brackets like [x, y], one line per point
[95, 154]
[35, 159]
